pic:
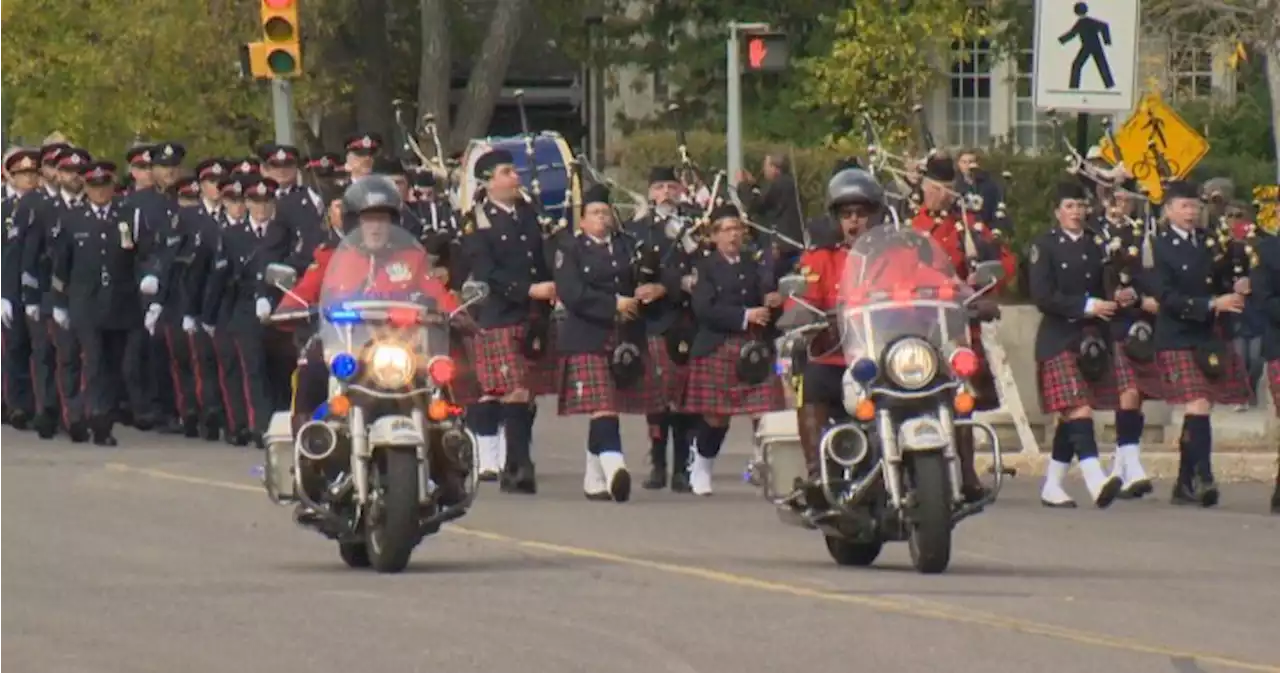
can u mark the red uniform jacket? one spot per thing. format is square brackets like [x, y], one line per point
[824, 267]
[356, 273]
[943, 230]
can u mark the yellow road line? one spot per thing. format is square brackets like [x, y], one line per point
[943, 613]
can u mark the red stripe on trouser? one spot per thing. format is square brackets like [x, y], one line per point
[173, 371]
[57, 375]
[244, 386]
[222, 386]
[84, 386]
[195, 368]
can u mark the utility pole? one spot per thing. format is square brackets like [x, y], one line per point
[733, 57]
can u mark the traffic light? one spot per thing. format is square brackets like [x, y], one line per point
[280, 54]
[767, 52]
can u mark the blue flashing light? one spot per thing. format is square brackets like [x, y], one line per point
[343, 366]
[865, 370]
[321, 412]
[342, 316]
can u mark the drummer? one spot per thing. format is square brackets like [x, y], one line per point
[734, 299]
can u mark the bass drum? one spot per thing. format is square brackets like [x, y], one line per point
[560, 187]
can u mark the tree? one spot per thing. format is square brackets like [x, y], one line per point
[885, 58]
[1253, 23]
[102, 72]
[489, 71]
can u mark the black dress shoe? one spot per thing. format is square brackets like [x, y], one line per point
[1206, 490]
[680, 482]
[521, 481]
[1183, 494]
[212, 431]
[1275, 501]
[104, 440]
[973, 493]
[4, 415]
[46, 426]
[191, 426]
[1107, 495]
[242, 438]
[79, 432]
[144, 423]
[172, 426]
[19, 419]
[602, 496]
[1137, 489]
[657, 479]
[259, 441]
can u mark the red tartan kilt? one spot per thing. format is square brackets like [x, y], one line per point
[1273, 377]
[586, 387]
[714, 388]
[1184, 382]
[667, 378]
[502, 368]
[1063, 387]
[1143, 377]
[466, 386]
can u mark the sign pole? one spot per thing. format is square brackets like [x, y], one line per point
[1082, 134]
[733, 130]
[282, 110]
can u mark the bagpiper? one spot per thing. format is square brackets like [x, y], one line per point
[1265, 283]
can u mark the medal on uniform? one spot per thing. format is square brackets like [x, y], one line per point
[126, 235]
[398, 272]
[1213, 359]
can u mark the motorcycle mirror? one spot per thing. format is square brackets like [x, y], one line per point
[988, 273]
[474, 291]
[792, 285]
[282, 276]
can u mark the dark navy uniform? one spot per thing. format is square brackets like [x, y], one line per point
[1192, 352]
[19, 396]
[1265, 280]
[95, 269]
[1076, 372]
[37, 274]
[670, 326]
[210, 280]
[505, 248]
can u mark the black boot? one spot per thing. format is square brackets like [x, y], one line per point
[102, 432]
[19, 419]
[810, 421]
[659, 427]
[521, 480]
[212, 429]
[46, 425]
[79, 432]
[1275, 498]
[191, 426]
[970, 484]
[657, 479]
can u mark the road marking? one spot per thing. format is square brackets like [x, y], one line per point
[943, 613]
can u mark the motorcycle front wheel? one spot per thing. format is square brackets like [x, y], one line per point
[392, 525]
[930, 519]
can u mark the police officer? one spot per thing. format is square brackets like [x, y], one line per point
[733, 299]
[326, 170]
[1073, 351]
[1198, 366]
[139, 159]
[186, 192]
[361, 150]
[602, 337]
[394, 169]
[504, 245]
[211, 278]
[94, 272]
[669, 323]
[37, 269]
[1265, 283]
[22, 177]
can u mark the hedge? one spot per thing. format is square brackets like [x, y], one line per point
[1027, 194]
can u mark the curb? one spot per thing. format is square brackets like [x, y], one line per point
[1227, 467]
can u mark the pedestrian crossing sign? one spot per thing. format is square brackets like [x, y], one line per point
[1154, 133]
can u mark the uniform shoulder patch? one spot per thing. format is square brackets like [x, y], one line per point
[1033, 255]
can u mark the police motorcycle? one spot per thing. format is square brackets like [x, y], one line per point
[386, 460]
[889, 471]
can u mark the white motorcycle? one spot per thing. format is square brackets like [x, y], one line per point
[888, 468]
[386, 460]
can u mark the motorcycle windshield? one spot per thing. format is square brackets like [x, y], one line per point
[383, 316]
[896, 284]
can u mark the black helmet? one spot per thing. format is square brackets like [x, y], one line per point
[853, 185]
[370, 193]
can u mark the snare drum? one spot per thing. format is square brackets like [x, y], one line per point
[560, 188]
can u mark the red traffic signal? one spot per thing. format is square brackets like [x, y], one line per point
[767, 52]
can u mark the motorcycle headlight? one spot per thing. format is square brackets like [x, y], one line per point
[391, 366]
[911, 363]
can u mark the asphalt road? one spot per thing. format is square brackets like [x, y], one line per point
[164, 556]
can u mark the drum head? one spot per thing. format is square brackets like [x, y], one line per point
[553, 158]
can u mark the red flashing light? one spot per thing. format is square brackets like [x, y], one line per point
[964, 363]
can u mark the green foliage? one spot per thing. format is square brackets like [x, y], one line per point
[102, 72]
[884, 60]
[1240, 130]
[1027, 195]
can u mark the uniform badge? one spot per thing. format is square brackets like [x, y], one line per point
[1034, 254]
[398, 272]
[559, 258]
[126, 235]
[1097, 240]
[1213, 359]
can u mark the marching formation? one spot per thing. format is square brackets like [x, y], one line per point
[140, 296]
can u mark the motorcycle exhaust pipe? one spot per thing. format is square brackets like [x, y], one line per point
[316, 441]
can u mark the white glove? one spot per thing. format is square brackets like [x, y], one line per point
[60, 316]
[149, 285]
[189, 324]
[32, 312]
[6, 311]
[153, 316]
[208, 329]
[263, 308]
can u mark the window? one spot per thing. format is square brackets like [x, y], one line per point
[1191, 72]
[969, 100]
[1031, 127]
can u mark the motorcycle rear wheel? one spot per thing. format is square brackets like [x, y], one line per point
[930, 523]
[393, 533]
